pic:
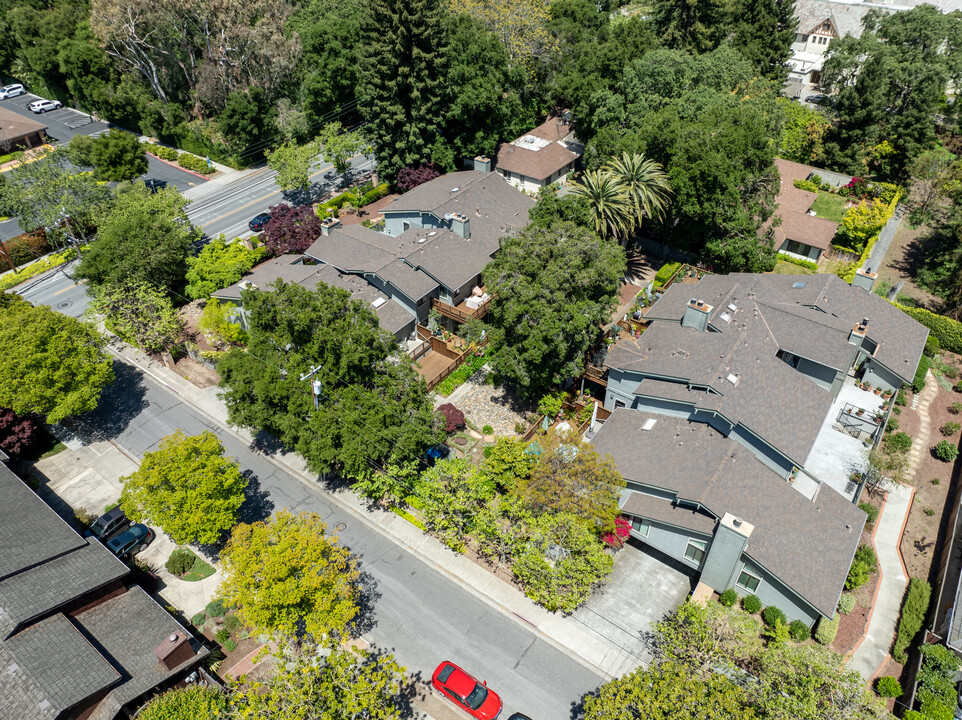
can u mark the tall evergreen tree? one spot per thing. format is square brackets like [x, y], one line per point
[400, 81]
[763, 33]
[693, 25]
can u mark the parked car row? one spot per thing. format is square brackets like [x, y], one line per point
[116, 532]
[468, 693]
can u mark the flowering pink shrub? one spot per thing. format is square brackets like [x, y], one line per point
[616, 538]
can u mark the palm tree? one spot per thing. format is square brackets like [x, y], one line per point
[645, 182]
[611, 207]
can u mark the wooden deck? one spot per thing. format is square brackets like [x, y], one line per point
[432, 364]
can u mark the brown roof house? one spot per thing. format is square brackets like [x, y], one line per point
[802, 233]
[738, 424]
[541, 157]
[19, 131]
[77, 641]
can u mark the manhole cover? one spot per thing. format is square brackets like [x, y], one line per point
[341, 526]
[65, 304]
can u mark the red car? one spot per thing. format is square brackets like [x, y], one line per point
[465, 690]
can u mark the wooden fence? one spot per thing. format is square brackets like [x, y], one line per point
[439, 377]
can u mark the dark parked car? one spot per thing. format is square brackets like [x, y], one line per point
[258, 223]
[466, 692]
[132, 541]
[107, 524]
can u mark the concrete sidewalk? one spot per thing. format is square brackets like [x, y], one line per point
[871, 654]
[567, 634]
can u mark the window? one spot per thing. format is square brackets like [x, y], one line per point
[793, 246]
[405, 225]
[422, 301]
[640, 526]
[696, 550]
[747, 581]
[619, 404]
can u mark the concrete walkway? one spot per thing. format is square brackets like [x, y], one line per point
[881, 246]
[576, 640]
[870, 655]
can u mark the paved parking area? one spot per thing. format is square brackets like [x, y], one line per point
[67, 122]
[643, 588]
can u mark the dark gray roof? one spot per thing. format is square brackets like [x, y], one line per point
[30, 532]
[484, 196]
[391, 315]
[808, 545]
[50, 585]
[61, 664]
[413, 283]
[664, 510]
[450, 259]
[351, 249]
[289, 268]
[129, 628]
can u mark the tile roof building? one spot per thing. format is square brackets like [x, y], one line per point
[75, 641]
[437, 240]
[540, 157]
[727, 396]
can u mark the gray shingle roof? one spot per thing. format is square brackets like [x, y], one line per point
[61, 662]
[30, 532]
[413, 283]
[451, 259]
[663, 510]
[288, 268]
[129, 628]
[351, 249]
[391, 315]
[808, 545]
[846, 17]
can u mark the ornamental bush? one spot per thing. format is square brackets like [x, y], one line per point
[955, 408]
[949, 429]
[751, 604]
[198, 619]
[229, 645]
[827, 630]
[871, 511]
[946, 451]
[863, 565]
[180, 561]
[728, 598]
[216, 608]
[665, 273]
[194, 163]
[771, 614]
[846, 603]
[222, 636]
[161, 151]
[798, 261]
[799, 631]
[918, 382]
[888, 687]
[931, 346]
[410, 177]
[913, 617]
[808, 185]
[453, 418]
[376, 194]
[899, 442]
[947, 330]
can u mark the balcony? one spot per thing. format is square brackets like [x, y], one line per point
[462, 312]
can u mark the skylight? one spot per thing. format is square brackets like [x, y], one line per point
[732, 306]
[798, 285]
[378, 302]
[726, 317]
[732, 378]
[649, 424]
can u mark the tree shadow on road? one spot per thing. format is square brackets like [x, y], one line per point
[258, 505]
[120, 403]
[367, 597]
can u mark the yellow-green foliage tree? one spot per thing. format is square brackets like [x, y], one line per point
[193, 702]
[187, 487]
[288, 571]
[861, 223]
[522, 25]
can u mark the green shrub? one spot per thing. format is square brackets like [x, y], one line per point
[232, 624]
[550, 405]
[163, 152]
[901, 399]
[863, 565]
[888, 687]
[665, 273]
[918, 382]
[728, 598]
[216, 608]
[222, 636]
[827, 630]
[898, 442]
[958, 387]
[229, 645]
[799, 631]
[936, 710]
[955, 408]
[870, 510]
[893, 424]
[771, 614]
[809, 185]
[198, 619]
[798, 261]
[520, 428]
[180, 561]
[929, 511]
[751, 604]
[194, 163]
[487, 430]
[376, 194]
[935, 481]
[846, 603]
[946, 451]
[913, 617]
[948, 331]
[931, 346]
[949, 429]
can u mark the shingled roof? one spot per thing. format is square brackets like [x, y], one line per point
[793, 205]
[541, 153]
[807, 544]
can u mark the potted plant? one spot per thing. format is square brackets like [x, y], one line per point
[860, 412]
[887, 394]
[878, 391]
[867, 386]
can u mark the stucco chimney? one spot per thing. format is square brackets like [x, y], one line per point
[864, 279]
[858, 332]
[696, 314]
[482, 164]
[329, 224]
[461, 225]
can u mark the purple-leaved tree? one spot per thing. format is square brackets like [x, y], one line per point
[291, 230]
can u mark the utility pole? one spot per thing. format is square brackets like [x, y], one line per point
[315, 384]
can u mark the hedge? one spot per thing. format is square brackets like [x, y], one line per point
[947, 330]
[667, 270]
[197, 164]
[913, 617]
[162, 151]
[918, 382]
[376, 194]
[798, 261]
[867, 250]
[826, 630]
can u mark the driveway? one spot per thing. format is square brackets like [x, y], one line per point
[65, 123]
[643, 588]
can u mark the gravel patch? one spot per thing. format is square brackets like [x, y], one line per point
[489, 405]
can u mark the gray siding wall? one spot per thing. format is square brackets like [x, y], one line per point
[664, 407]
[394, 223]
[724, 558]
[880, 376]
[771, 591]
[672, 541]
[621, 386]
[821, 375]
[762, 450]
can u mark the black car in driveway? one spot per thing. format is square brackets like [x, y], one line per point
[107, 524]
[258, 223]
[132, 541]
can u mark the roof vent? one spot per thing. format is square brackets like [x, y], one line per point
[44, 705]
[378, 302]
[432, 233]
[732, 378]
[732, 306]
[649, 424]
[12, 668]
[455, 189]
[726, 317]
[737, 522]
[421, 240]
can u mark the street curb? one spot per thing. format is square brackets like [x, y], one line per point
[385, 532]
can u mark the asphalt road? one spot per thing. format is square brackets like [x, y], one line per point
[67, 122]
[57, 290]
[228, 209]
[412, 610]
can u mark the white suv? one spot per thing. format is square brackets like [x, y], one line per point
[9, 91]
[41, 106]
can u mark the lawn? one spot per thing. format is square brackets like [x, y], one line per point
[831, 207]
[787, 268]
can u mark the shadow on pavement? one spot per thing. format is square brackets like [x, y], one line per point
[258, 505]
[367, 597]
[120, 403]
